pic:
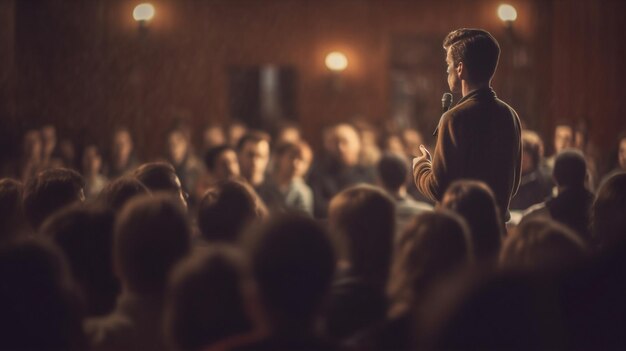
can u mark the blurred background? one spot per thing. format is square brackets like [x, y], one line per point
[91, 66]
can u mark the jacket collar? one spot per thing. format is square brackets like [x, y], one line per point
[479, 94]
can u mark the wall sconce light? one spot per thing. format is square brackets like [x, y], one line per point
[336, 62]
[507, 14]
[143, 13]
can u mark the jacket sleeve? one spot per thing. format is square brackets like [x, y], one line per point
[433, 177]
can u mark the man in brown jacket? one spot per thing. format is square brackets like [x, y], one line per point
[480, 137]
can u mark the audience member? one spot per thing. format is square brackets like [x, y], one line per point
[475, 202]
[161, 177]
[434, 246]
[608, 219]
[50, 191]
[564, 134]
[289, 167]
[541, 244]
[221, 164]
[85, 235]
[227, 209]
[151, 235]
[287, 132]
[572, 204]
[370, 152]
[206, 301]
[187, 166]
[253, 152]
[292, 263]
[234, 131]
[95, 181]
[341, 169]
[362, 222]
[534, 186]
[51, 155]
[393, 172]
[121, 190]
[123, 158]
[40, 310]
[213, 135]
[12, 220]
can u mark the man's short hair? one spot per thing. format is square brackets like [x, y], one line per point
[85, 235]
[151, 235]
[570, 168]
[293, 263]
[213, 154]
[206, 298]
[225, 210]
[118, 192]
[253, 136]
[392, 171]
[158, 176]
[363, 220]
[539, 244]
[477, 49]
[50, 191]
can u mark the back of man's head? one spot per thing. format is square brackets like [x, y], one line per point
[85, 235]
[570, 169]
[225, 210]
[607, 213]
[50, 191]
[293, 263]
[392, 172]
[477, 49]
[118, 192]
[363, 219]
[206, 298]
[151, 235]
[158, 176]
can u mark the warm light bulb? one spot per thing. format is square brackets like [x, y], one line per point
[507, 13]
[143, 12]
[336, 61]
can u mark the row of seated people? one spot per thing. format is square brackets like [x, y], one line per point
[136, 269]
[283, 168]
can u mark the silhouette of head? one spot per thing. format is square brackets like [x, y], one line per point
[570, 169]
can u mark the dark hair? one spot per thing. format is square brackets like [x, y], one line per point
[363, 219]
[539, 244]
[205, 300]
[11, 211]
[212, 155]
[151, 235]
[85, 235]
[477, 49]
[158, 176]
[608, 221]
[431, 247]
[293, 263]
[226, 209]
[118, 192]
[570, 168]
[253, 136]
[40, 310]
[50, 191]
[475, 202]
[287, 148]
[392, 171]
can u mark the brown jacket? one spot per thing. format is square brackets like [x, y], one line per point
[478, 139]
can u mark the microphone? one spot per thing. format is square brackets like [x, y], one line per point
[446, 102]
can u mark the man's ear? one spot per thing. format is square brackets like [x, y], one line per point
[460, 71]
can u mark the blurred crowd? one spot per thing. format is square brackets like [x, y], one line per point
[256, 241]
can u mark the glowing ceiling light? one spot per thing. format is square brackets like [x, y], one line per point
[507, 13]
[143, 12]
[336, 61]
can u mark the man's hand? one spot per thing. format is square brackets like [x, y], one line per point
[425, 155]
